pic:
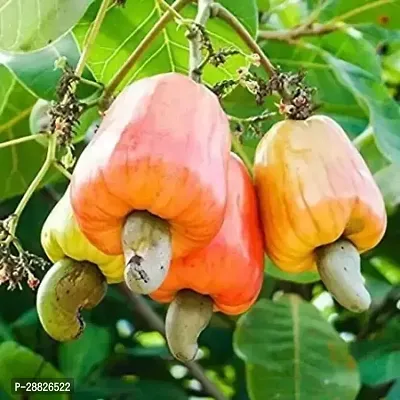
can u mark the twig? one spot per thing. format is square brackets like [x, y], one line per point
[217, 10]
[301, 31]
[156, 323]
[194, 36]
[94, 30]
[51, 151]
[22, 139]
[63, 170]
[151, 35]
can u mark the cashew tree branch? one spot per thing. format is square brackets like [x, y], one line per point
[155, 322]
[194, 36]
[301, 31]
[219, 11]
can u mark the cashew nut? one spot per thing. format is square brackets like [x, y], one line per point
[187, 316]
[67, 288]
[339, 266]
[146, 241]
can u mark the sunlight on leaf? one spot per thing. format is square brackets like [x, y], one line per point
[27, 25]
[293, 353]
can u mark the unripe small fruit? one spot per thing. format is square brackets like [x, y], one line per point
[40, 120]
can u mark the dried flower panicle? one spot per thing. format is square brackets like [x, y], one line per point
[16, 268]
[65, 113]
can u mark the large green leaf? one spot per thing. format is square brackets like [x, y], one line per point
[293, 353]
[349, 45]
[169, 51]
[17, 361]
[383, 110]
[27, 25]
[19, 163]
[78, 358]
[41, 77]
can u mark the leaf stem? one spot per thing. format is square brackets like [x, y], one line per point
[148, 39]
[63, 170]
[239, 150]
[22, 139]
[194, 36]
[88, 82]
[50, 157]
[94, 30]
[155, 322]
[217, 10]
[365, 137]
[301, 31]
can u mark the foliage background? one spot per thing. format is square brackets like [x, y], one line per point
[296, 343]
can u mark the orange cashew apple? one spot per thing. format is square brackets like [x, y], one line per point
[225, 276]
[152, 182]
[319, 204]
[78, 277]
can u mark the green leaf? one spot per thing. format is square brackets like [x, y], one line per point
[246, 12]
[41, 78]
[5, 331]
[349, 45]
[17, 361]
[383, 110]
[377, 287]
[142, 390]
[263, 5]
[28, 318]
[335, 98]
[379, 369]
[376, 34]
[383, 13]
[366, 145]
[293, 353]
[389, 269]
[388, 183]
[379, 358]
[30, 25]
[303, 277]
[284, 14]
[169, 51]
[394, 393]
[80, 357]
[19, 163]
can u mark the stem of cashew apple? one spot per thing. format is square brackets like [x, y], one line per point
[146, 241]
[187, 316]
[68, 287]
[339, 266]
